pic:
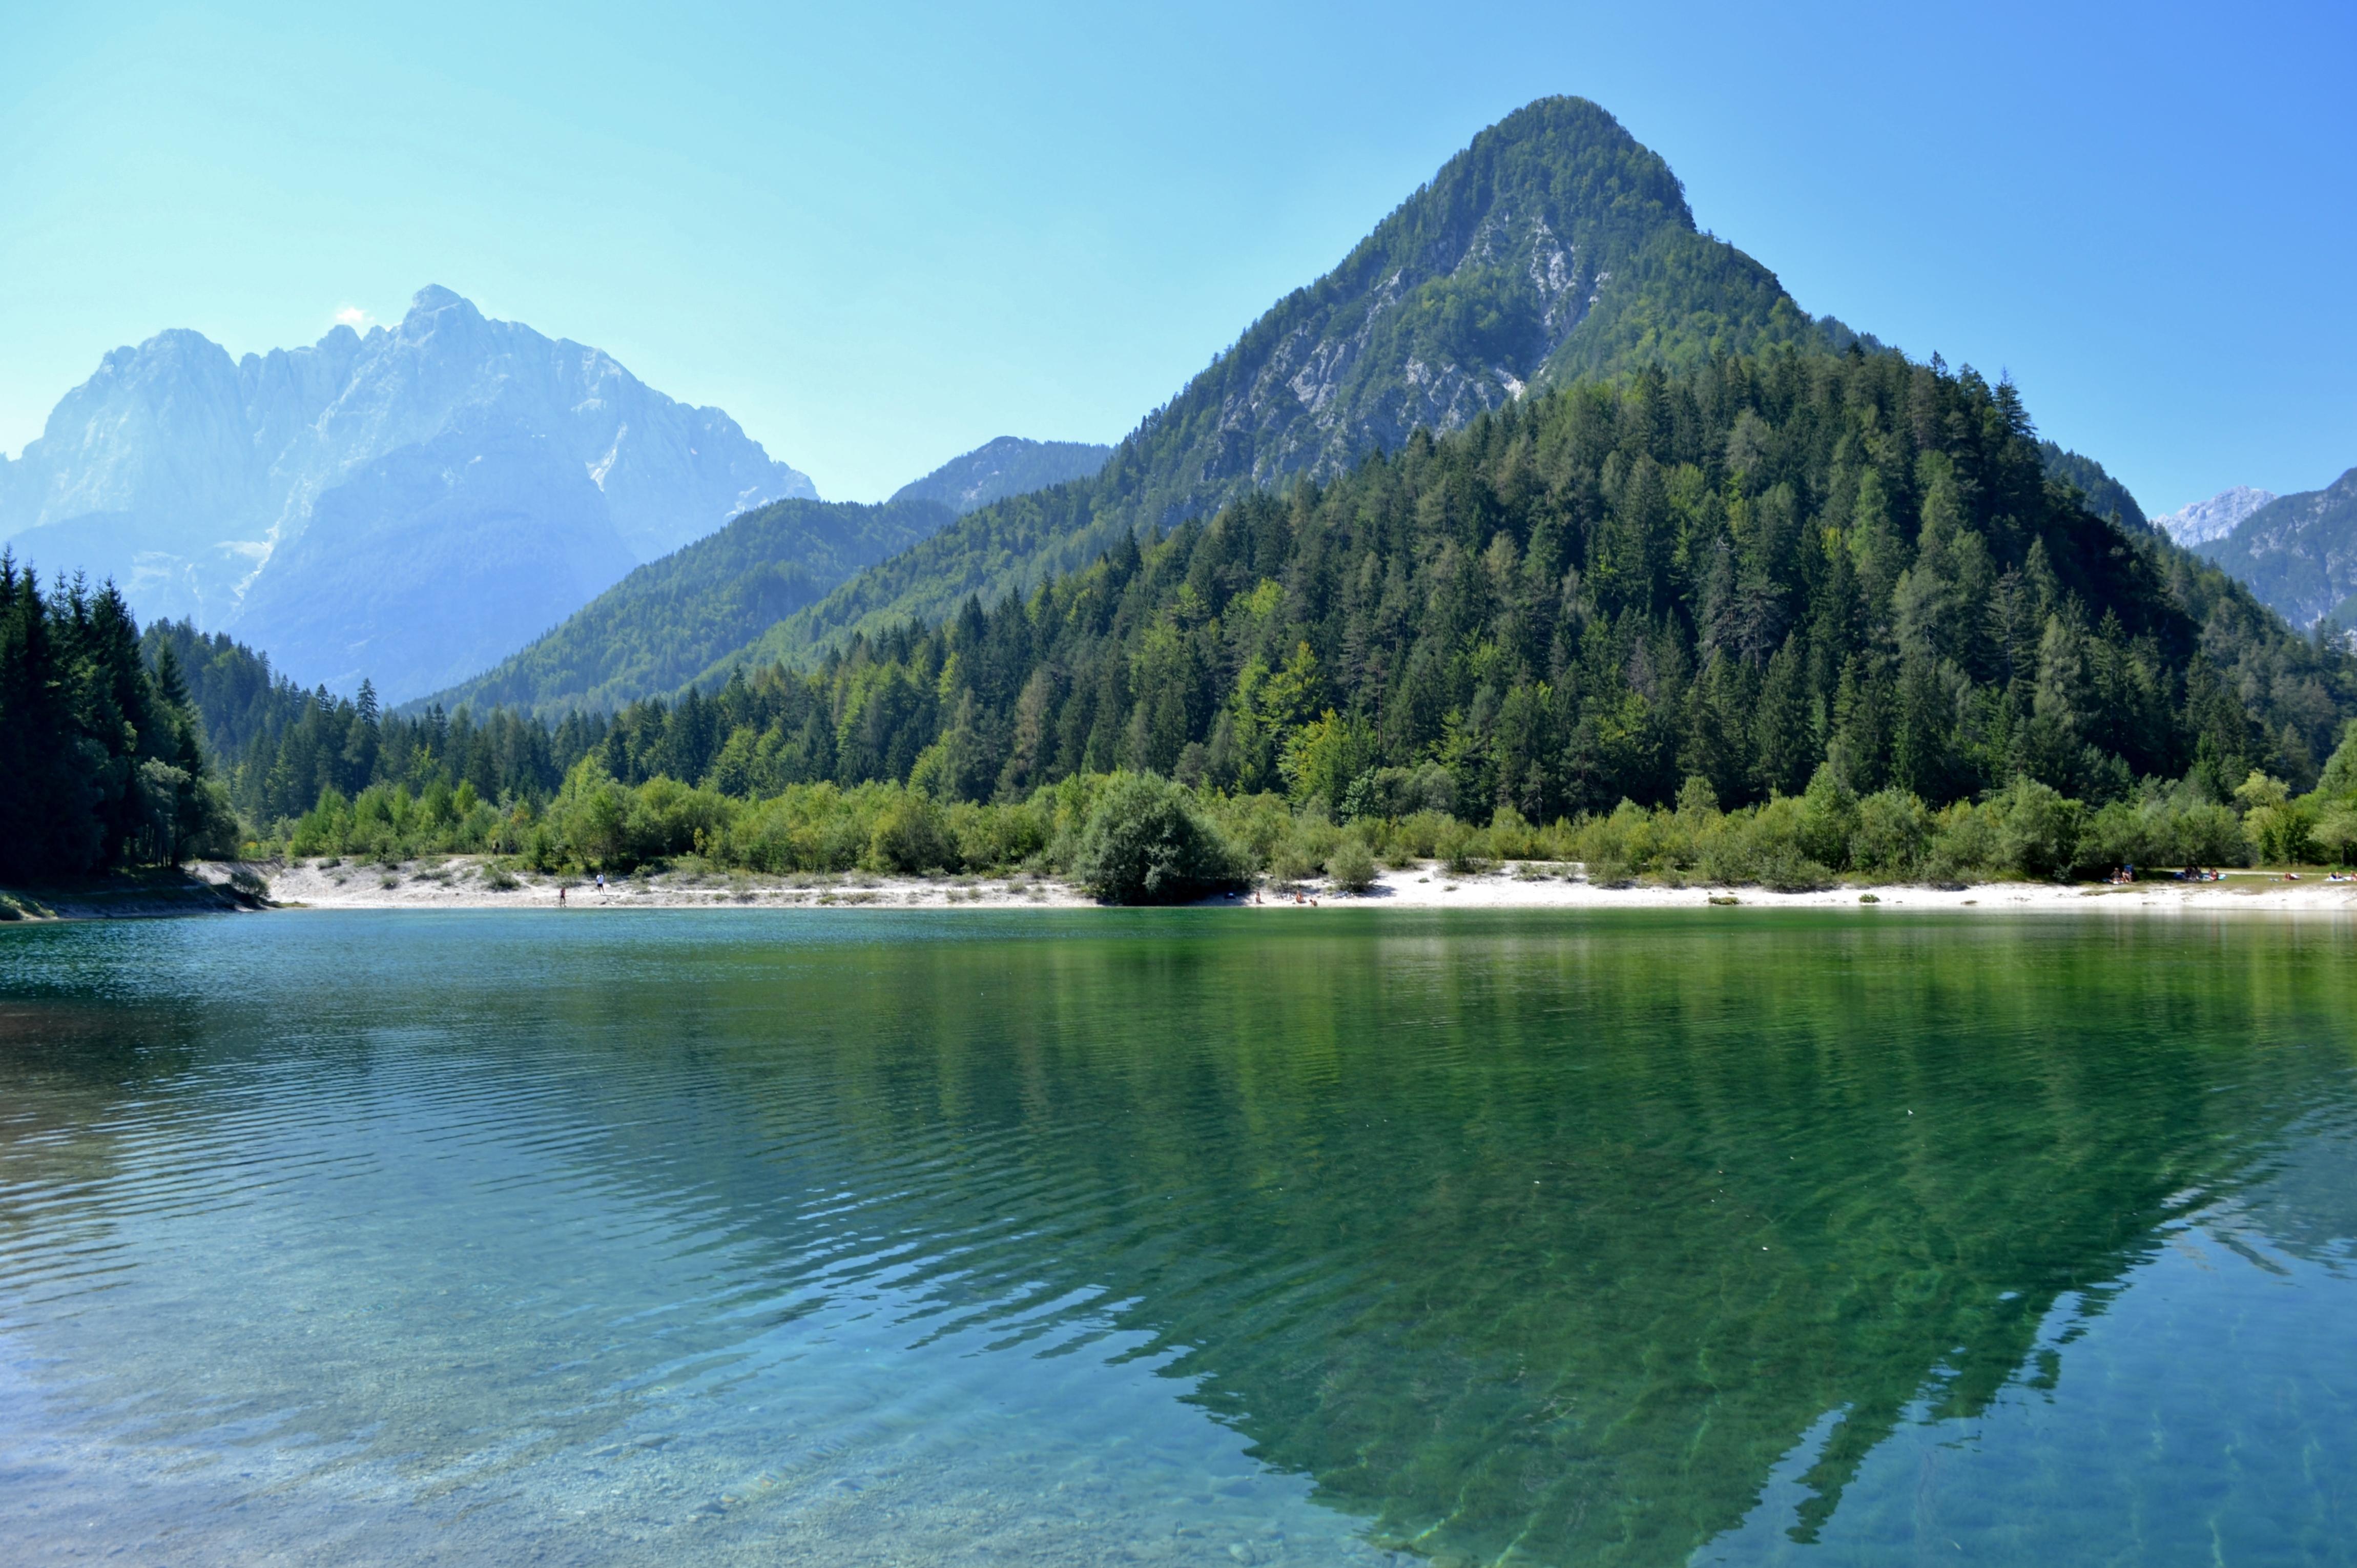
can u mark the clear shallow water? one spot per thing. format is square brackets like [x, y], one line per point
[757, 1237]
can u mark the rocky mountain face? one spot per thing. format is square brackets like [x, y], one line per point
[502, 477]
[2213, 518]
[1553, 247]
[2299, 552]
[1475, 288]
[1010, 466]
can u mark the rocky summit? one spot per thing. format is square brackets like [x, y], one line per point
[2213, 518]
[2299, 552]
[1554, 248]
[500, 477]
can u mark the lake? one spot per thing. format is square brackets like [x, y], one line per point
[1189, 1237]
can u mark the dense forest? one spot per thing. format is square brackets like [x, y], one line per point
[101, 765]
[1799, 614]
[1736, 573]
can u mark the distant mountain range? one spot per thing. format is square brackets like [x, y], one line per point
[2213, 518]
[412, 504]
[669, 620]
[2299, 552]
[1009, 466]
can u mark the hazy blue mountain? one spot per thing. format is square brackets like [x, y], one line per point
[2213, 518]
[190, 479]
[1553, 247]
[365, 589]
[670, 618]
[1009, 466]
[2299, 552]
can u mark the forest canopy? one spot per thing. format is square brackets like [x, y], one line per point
[1847, 583]
[100, 761]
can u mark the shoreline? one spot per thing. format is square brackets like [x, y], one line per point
[204, 888]
[457, 881]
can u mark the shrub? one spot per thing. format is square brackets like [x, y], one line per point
[1461, 847]
[2207, 834]
[1352, 866]
[2038, 828]
[910, 837]
[1786, 870]
[990, 836]
[1828, 819]
[1146, 841]
[1290, 859]
[1892, 833]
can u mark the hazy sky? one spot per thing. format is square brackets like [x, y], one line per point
[880, 235]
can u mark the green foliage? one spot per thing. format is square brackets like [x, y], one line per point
[1754, 574]
[1352, 866]
[1147, 841]
[101, 765]
[2100, 493]
[910, 837]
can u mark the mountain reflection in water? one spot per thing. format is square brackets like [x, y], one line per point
[1189, 1237]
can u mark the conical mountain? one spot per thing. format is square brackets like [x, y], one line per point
[1555, 246]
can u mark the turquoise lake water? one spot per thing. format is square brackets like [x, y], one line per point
[1191, 1237]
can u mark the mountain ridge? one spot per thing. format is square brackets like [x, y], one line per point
[663, 622]
[180, 472]
[2213, 518]
[2299, 552]
[1005, 466]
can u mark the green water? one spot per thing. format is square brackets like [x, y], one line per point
[1192, 1237]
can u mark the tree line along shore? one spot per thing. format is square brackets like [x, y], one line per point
[1773, 620]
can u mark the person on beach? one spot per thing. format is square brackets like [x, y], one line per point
[560, 897]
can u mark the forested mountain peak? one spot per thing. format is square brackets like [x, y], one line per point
[1008, 466]
[1555, 246]
[1463, 296]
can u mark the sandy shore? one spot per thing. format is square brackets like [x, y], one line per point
[463, 882]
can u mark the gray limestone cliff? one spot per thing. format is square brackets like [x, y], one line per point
[2213, 518]
[505, 476]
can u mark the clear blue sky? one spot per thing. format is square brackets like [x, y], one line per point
[879, 235]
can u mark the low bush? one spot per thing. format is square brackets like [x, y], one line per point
[1147, 840]
[1352, 866]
